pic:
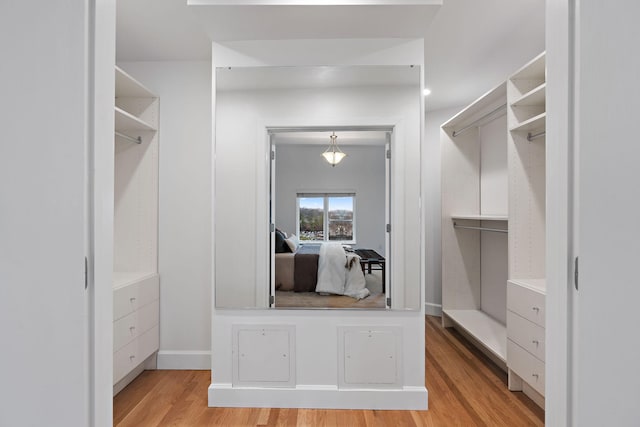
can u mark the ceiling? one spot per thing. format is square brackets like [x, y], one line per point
[470, 45]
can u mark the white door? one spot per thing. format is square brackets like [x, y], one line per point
[44, 315]
[606, 358]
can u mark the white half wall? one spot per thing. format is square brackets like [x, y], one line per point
[184, 259]
[433, 208]
[301, 168]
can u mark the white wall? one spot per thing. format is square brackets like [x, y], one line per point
[184, 259]
[433, 207]
[301, 168]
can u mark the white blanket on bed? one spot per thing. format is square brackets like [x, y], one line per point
[334, 274]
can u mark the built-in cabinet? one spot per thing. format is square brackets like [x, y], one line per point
[135, 240]
[493, 225]
[526, 116]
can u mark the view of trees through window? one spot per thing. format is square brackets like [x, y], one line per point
[326, 217]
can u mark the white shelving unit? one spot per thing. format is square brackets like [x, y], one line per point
[474, 208]
[526, 93]
[135, 277]
[493, 272]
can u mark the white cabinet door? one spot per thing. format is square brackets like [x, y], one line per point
[607, 108]
[43, 192]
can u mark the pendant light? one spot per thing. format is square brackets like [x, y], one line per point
[333, 155]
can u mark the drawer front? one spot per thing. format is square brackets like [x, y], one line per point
[131, 326]
[526, 334]
[127, 299]
[523, 363]
[134, 353]
[526, 302]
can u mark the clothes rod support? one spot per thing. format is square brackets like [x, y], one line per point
[531, 137]
[497, 230]
[137, 140]
[469, 126]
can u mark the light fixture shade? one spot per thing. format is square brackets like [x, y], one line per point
[333, 155]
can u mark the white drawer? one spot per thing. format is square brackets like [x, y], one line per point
[530, 369]
[132, 325]
[526, 334]
[134, 353]
[526, 302]
[128, 298]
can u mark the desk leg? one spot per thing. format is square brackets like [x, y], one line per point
[362, 266]
[383, 276]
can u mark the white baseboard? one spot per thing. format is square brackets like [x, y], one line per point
[318, 397]
[177, 359]
[432, 309]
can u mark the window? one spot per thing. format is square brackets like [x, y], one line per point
[326, 217]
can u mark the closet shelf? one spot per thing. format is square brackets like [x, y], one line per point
[482, 327]
[481, 217]
[536, 122]
[533, 98]
[539, 285]
[128, 122]
[480, 107]
[121, 278]
[127, 86]
[533, 70]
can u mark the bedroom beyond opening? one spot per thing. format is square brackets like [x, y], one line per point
[329, 240]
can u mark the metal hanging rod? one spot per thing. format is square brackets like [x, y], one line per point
[497, 230]
[531, 137]
[137, 140]
[469, 126]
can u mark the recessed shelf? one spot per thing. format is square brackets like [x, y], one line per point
[536, 122]
[533, 98]
[491, 333]
[127, 86]
[481, 217]
[128, 122]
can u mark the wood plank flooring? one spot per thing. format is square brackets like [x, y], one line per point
[465, 389]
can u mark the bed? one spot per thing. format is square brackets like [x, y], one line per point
[298, 271]
[324, 268]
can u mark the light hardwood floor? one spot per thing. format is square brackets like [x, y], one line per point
[465, 389]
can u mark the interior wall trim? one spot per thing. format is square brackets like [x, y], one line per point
[184, 359]
[322, 396]
[431, 309]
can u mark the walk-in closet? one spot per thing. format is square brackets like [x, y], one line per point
[493, 225]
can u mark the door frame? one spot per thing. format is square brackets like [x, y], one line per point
[560, 59]
[389, 148]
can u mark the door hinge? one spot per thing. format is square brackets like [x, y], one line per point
[388, 154]
[273, 155]
[272, 227]
[86, 273]
[575, 273]
[272, 300]
[389, 302]
[388, 228]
